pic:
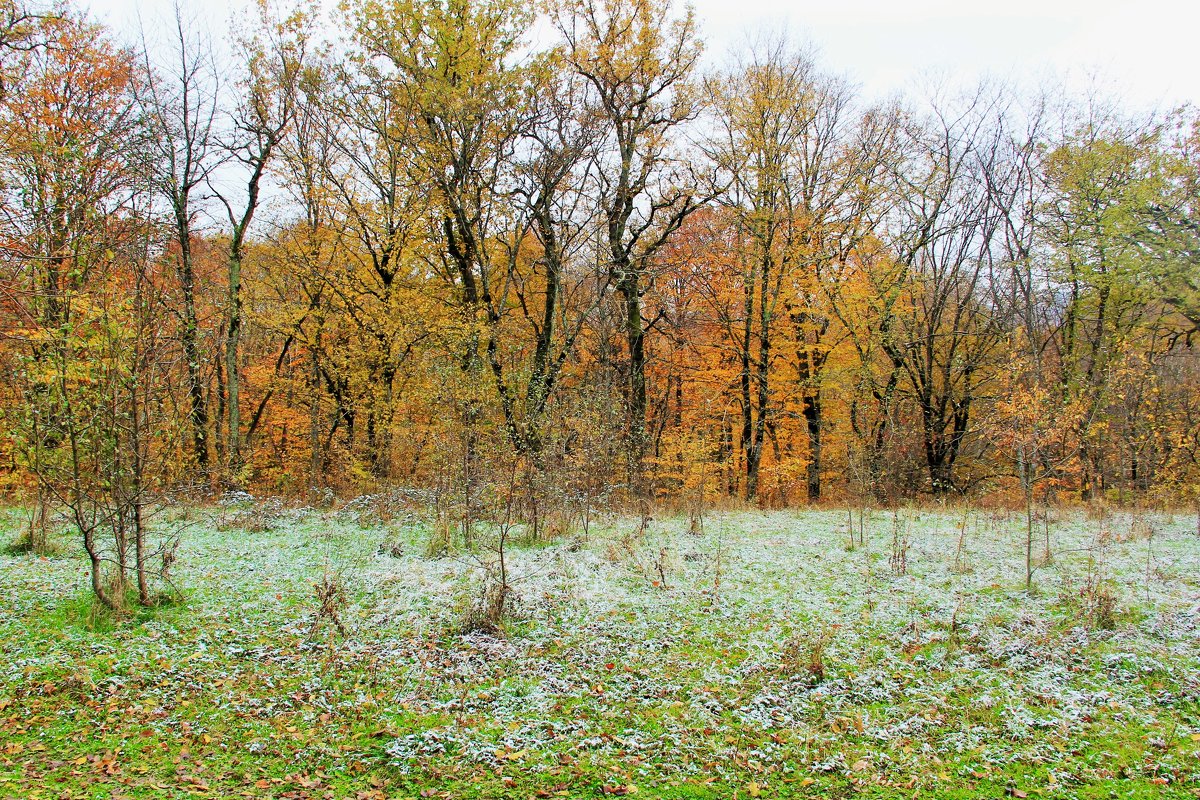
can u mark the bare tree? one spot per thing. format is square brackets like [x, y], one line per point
[945, 233]
[180, 101]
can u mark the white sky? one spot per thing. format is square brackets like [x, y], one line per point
[1145, 52]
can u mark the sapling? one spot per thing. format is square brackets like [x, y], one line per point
[960, 564]
[899, 559]
[489, 611]
[715, 595]
[870, 595]
[660, 568]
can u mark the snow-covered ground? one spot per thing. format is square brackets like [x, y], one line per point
[766, 651]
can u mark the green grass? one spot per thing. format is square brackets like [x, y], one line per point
[936, 683]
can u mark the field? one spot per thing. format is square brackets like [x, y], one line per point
[766, 656]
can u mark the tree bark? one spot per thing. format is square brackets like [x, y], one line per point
[233, 336]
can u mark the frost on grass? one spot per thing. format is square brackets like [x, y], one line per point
[771, 652]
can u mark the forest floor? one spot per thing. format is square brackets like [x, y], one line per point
[765, 657]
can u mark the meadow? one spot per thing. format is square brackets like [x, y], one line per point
[317, 653]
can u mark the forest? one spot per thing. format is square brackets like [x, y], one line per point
[434, 245]
[486, 302]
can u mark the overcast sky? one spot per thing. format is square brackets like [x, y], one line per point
[1145, 51]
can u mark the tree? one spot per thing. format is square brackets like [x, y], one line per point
[638, 62]
[804, 179]
[78, 243]
[761, 114]
[358, 166]
[1032, 431]
[274, 66]
[460, 97]
[1169, 222]
[1102, 176]
[68, 127]
[308, 253]
[180, 103]
[21, 30]
[554, 287]
[944, 234]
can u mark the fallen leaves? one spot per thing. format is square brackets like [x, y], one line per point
[510, 755]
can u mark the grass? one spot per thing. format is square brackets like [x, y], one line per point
[942, 682]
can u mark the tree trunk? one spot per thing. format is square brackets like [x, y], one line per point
[635, 339]
[811, 410]
[232, 379]
[315, 462]
[189, 335]
[747, 432]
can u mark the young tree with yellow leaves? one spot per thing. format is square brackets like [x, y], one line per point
[94, 369]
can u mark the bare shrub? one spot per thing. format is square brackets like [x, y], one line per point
[625, 546]
[498, 511]
[1140, 527]
[382, 508]
[804, 655]
[487, 613]
[391, 548]
[1095, 601]
[37, 533]
[331, 601]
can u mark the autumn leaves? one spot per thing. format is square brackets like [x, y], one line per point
[435, 243]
